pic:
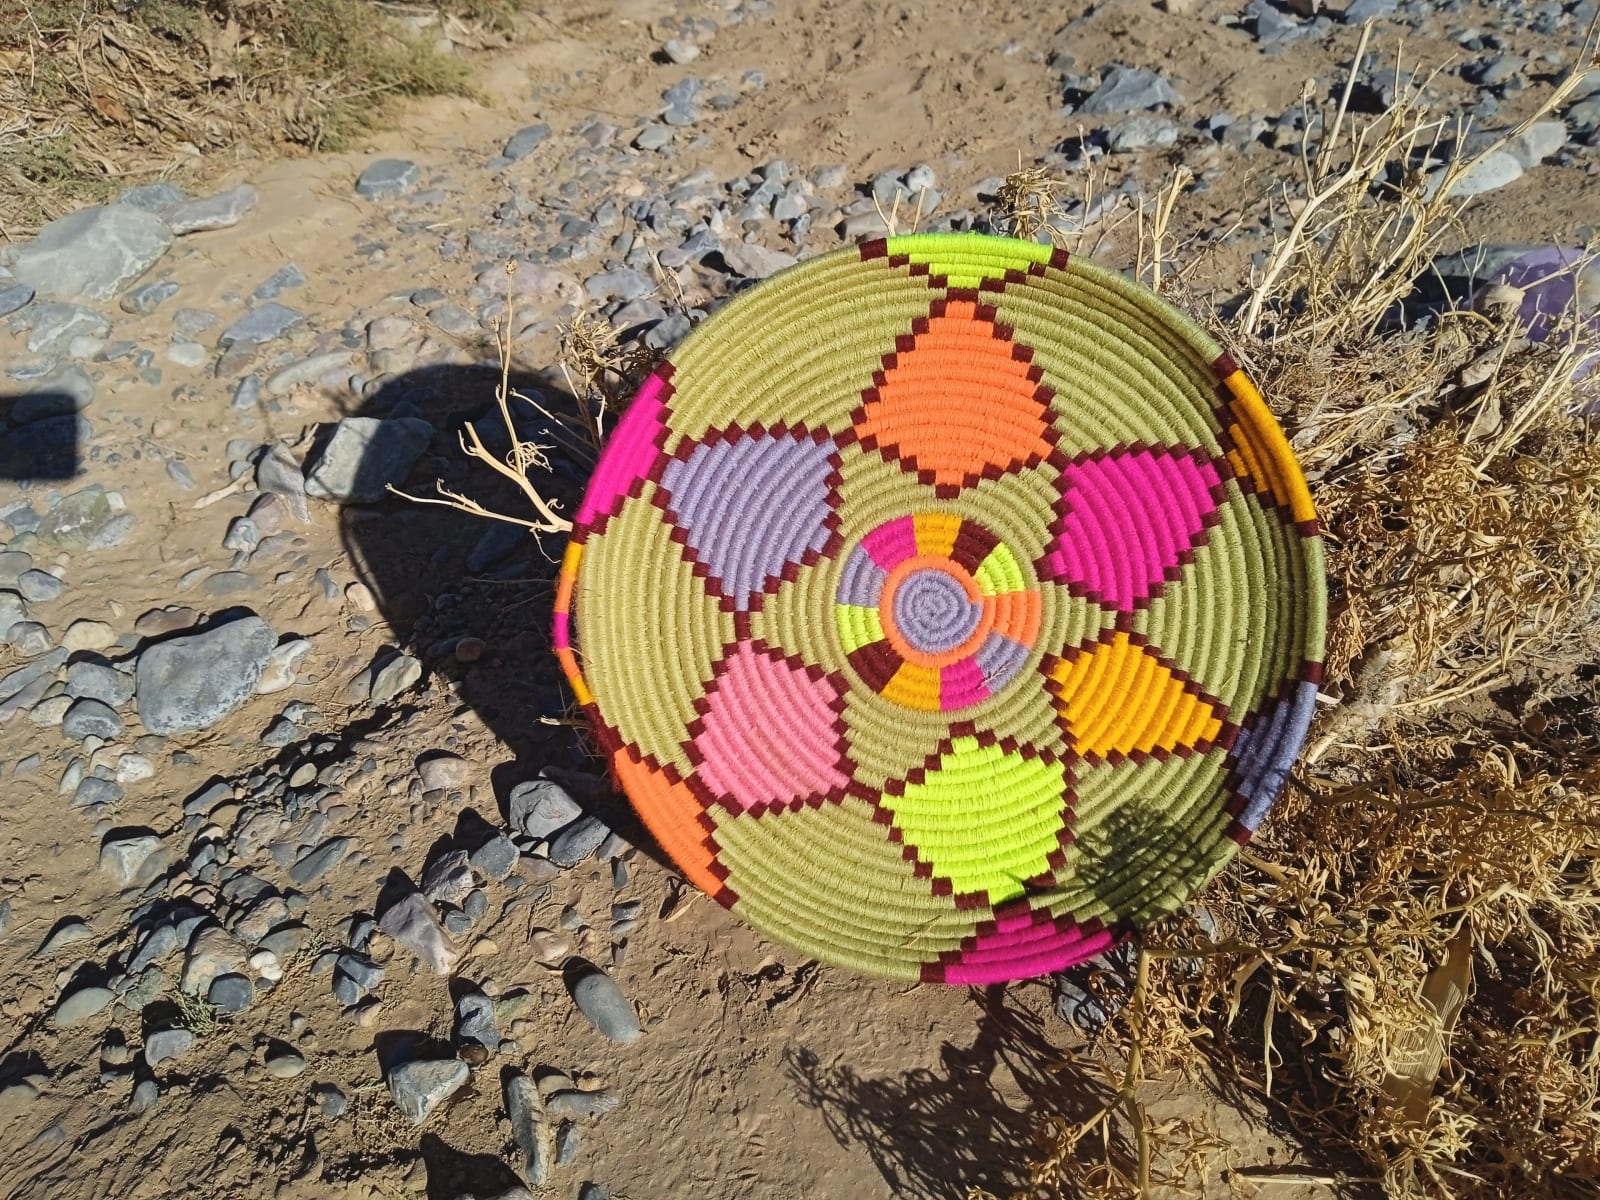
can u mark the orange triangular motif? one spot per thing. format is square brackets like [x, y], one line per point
[959, 402]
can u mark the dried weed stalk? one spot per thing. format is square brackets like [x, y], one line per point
[1406, 968]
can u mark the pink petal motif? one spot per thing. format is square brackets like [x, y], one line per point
[1130, 520]
[767, 735]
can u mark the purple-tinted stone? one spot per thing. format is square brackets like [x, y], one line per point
[1548, 279]
[752, 506]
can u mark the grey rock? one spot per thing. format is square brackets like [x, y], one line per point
[680, 51]
[413, 923]
[93, 791]
[124, 857]
[262, 324]
[13, 612]
[146, 298]
[475, 1021]
[68, 933]
[285, 277]
[622, 284]
[191, 682]
[213, 212]
[364, 455]
[1541, 140]
[154, 197]
[448, 878]
[57, 322]
[1359, 12]
[187, 354]
[755, 262]
[578, 841]
[231, 993]
[389, 333]
[525, 141]
[305, 372]
[282, 664]
[167, 1045]
[213, 952]
[13, 565]
[566, 1144]
[1142, 133]
[574, 1105]
[1490, 173]
[654, 137]
[278, 474]
[284, 1061]
[442, 771]
[1129, 89]
[309, 870]
[453, 319]
[242, 535]
[145, 1094]
[496, 858]
[76, 520]
[15, 296]
[28, 638]
[388, 179]
[82, 1005]
[330, 1100]
[600, 1000]
[39, 587]
[91, 718]
[98, 681]
[534, 1136]
[541, 807]
[91, 254]
[398, 674]
[593, 1191]
[354, 976]
[420, 1087]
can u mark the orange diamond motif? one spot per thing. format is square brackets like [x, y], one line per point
[958, 401]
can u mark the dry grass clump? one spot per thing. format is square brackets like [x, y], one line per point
[1406, 965]
[97, 94]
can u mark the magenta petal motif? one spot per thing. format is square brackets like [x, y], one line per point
[1129, 520]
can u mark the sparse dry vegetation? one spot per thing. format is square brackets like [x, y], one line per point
[1406, 966]
[98, 94]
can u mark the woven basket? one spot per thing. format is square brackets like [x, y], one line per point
[949, 608]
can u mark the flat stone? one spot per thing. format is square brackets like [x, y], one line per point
[146, 298]
[1129, 89]
[365, 455]
[91, 718]
[388, 179]
[167, 1045]
[1541, 140]
[264, 323]
[15, 296]
[39, 587]
[13, 612]
[124, 857]
[414, 923]
[535, 1137]
[573, 1105]
[82, 1005]
[154, 197]
[91, 254]
[1141, 133]
[68, 933]
[755, 262]
[100, 682]
[420, 1087]
[541, 807]
[442, 771]
[305, 372]
[600, 999]
[231, 993]
[187, 354]
[213, 212]
[398, 674]
[55, 323]
[578, 841]
[308, 871]
[497, 857]
[84, 634]
[475, 1021]
[191, 682]
[282, 665]
[354, 976]
[284, 1061]
[448, 878]
[453, 319]
[285, 277]
[654, 137]
[92, 791]
[525, 141]
[622, 284]
[1490, 173]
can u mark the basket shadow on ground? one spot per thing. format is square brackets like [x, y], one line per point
[441, 577]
